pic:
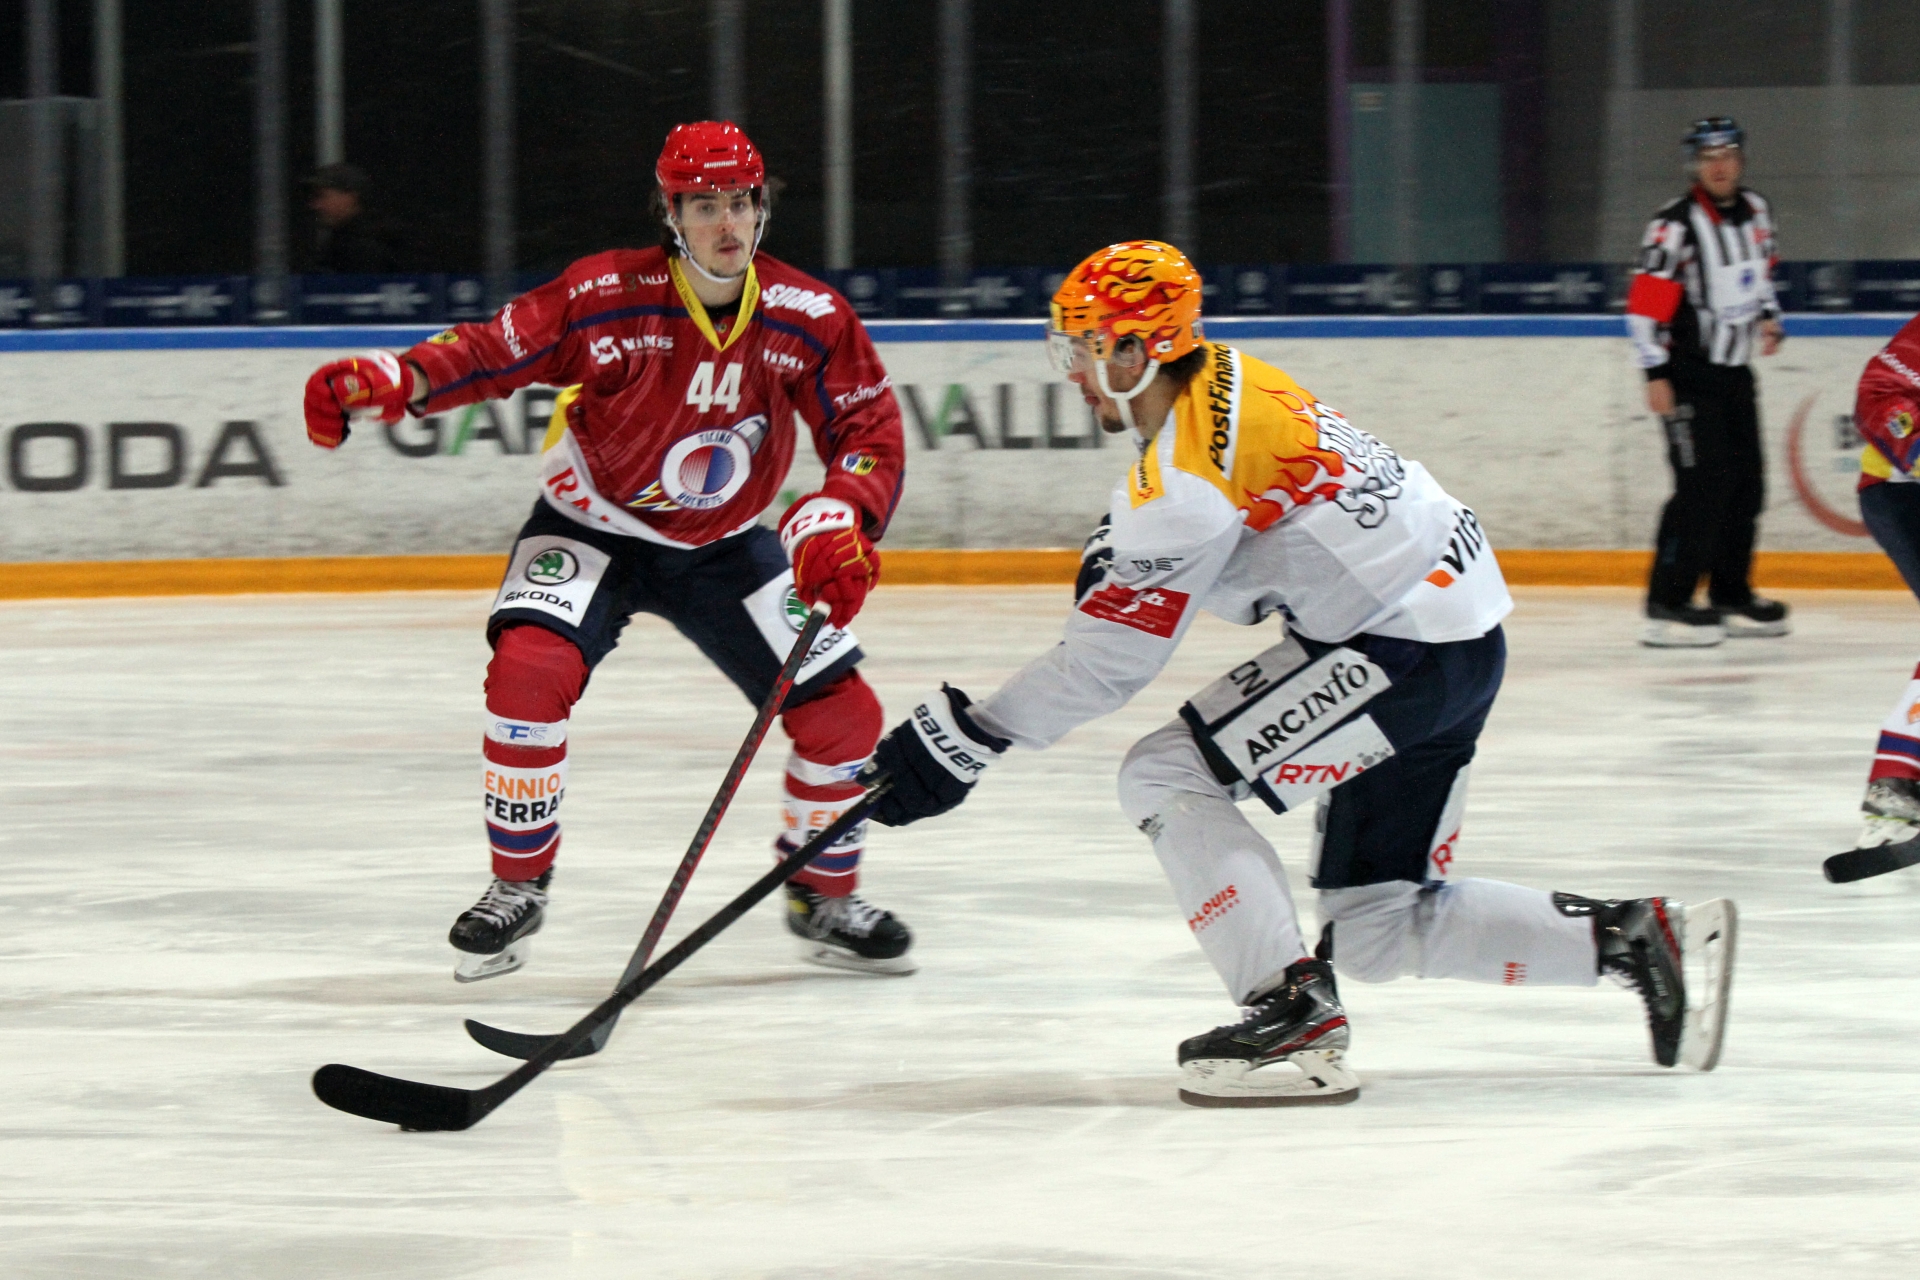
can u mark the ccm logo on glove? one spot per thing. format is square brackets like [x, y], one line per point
[832, 559]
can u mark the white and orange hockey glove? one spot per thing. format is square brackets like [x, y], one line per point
[832, 559]
[375, 384]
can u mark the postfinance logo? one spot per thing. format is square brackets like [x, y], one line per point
[551, 568]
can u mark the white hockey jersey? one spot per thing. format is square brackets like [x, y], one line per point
[1255, 498]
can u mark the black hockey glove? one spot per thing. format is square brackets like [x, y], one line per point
[933, 758]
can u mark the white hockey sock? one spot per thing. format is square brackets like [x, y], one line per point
[1476, 930]
[1232, 890]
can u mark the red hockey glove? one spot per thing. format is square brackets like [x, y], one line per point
[376, 383]
[832, 559]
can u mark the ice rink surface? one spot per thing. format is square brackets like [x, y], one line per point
[237, 830]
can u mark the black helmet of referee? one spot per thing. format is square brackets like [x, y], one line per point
[1714, 132]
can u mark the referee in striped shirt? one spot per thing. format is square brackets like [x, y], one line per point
[1700, 303]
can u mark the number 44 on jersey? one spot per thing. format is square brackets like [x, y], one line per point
[703, 395]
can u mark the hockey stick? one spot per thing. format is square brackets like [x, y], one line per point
[515, 1044]
[1858, 864]
[421, 1107]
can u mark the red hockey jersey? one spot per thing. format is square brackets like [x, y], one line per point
[682, 428]
[1886, 410]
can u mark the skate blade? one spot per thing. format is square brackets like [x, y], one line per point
[1664, 635]
[1757, 630]
[828, 956]
[478, 968]
[1324, 1081]
[1712, 930]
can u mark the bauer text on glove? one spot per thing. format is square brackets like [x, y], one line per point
[833, 560]
[375, 384]
[932, 759]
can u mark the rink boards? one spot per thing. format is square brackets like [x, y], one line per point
[180, 444]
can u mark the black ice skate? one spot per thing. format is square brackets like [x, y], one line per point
[496, 931]
[1298, 1022]
[1757, 617]
[847, 933]
[1645, 945]
[1682, 627]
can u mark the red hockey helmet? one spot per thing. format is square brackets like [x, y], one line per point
[708, 155]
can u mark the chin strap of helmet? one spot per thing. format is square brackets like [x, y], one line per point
[759, 230]
[1125, 398]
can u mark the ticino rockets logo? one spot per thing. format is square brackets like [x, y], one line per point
[704, 470]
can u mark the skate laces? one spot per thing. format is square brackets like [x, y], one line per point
[503, 899]
[854, 915]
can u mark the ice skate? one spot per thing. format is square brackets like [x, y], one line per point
[1647, 944]
[848, 933]
[1757, 617]
[496, 932]
[1892, 809]
[1685, 627]
[1298, 1022]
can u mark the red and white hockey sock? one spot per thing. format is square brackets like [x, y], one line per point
[523, 788]
[532, 683]
[811, 809]
[1898, 752]
[833, 736]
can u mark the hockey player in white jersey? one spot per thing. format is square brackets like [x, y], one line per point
[1253, 499]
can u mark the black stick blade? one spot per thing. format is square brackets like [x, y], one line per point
[407, 1103]
[518, 1044]
[1858, 864]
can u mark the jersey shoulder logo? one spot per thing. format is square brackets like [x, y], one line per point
[787, 297]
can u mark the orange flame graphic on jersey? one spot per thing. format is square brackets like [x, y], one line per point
[1142, 289]
[1301, 474]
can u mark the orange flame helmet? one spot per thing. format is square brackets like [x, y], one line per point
[1141, 289]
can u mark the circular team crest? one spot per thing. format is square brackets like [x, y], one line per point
[552, 567]
[707, 468]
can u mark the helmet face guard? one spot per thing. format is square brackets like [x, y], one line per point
[1140, 289]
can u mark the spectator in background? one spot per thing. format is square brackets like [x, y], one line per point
[1700, 304]
[347, 239]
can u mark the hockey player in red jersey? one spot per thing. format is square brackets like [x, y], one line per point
[1886, 411]
[686, 367]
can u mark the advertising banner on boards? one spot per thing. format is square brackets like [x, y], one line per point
[132, 451]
